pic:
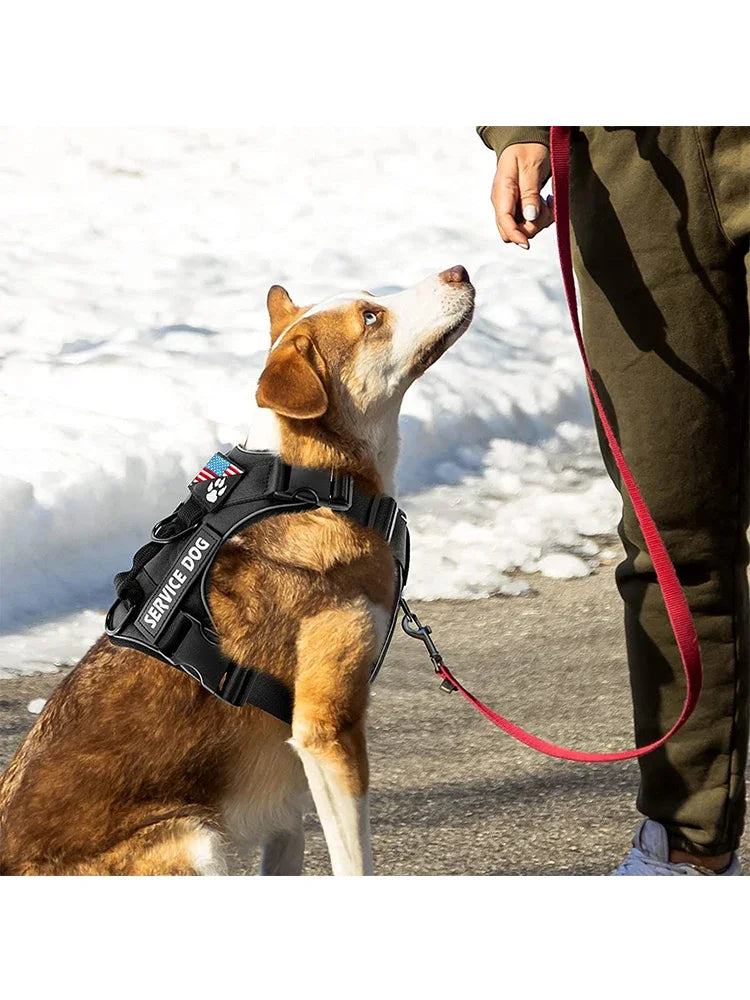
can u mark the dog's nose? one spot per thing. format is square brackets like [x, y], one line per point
[454, 275]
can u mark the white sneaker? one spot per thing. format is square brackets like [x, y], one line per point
[650, 856]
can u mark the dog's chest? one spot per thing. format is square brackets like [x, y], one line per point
[266, 794]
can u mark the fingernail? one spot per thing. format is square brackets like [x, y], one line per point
[530, 212]
[523, 246]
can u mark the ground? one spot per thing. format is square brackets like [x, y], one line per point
[452, 795]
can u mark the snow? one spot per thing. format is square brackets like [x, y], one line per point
[562, 566]
[36, 705]
[43, 647]
[136, 264]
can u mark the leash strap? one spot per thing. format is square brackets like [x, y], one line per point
[674, 599]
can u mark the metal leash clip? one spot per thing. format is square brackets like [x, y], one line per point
[414, 628]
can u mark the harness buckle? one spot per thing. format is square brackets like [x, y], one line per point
[383, 515]
[323, 487]
[236, 684]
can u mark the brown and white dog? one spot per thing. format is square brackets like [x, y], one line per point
[132, 768]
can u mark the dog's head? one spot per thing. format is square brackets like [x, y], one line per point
[346, 363]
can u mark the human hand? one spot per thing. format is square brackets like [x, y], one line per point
[520, 210]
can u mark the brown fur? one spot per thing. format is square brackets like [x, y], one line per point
[127, 745]
[132, 765]
[129, 756]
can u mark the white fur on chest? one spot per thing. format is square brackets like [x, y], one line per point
[268, 798]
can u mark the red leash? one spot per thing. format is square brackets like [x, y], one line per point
[674, 599]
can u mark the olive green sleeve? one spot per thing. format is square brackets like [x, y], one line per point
[498, 137]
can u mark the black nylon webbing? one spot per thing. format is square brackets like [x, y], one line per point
[267, 487]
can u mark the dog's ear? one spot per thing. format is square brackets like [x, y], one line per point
[281, 310]
[291, 383]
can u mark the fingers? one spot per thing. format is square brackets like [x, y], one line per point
[505, 201]
[520, 210]
[530, 186]
[544, 218]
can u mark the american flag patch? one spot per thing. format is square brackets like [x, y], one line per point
[217, 466]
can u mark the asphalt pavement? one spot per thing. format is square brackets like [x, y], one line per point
[452, 795]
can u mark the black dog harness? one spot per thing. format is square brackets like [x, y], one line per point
[161, 607]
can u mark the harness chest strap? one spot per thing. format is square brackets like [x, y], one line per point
[162, 607]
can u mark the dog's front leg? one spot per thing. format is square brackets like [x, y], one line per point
[332, 765]
[335, 649]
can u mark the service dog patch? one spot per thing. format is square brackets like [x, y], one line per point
[176, 583]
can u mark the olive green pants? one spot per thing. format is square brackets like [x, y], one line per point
[661, 222]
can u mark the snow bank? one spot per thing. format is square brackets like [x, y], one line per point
[136, 265]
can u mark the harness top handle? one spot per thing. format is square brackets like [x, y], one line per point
[674, 599]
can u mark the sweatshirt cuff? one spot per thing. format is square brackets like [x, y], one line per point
[499, 137]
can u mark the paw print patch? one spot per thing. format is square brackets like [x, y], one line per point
[215, 473]
[216, 489]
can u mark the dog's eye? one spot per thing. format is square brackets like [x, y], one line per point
[369, 317]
